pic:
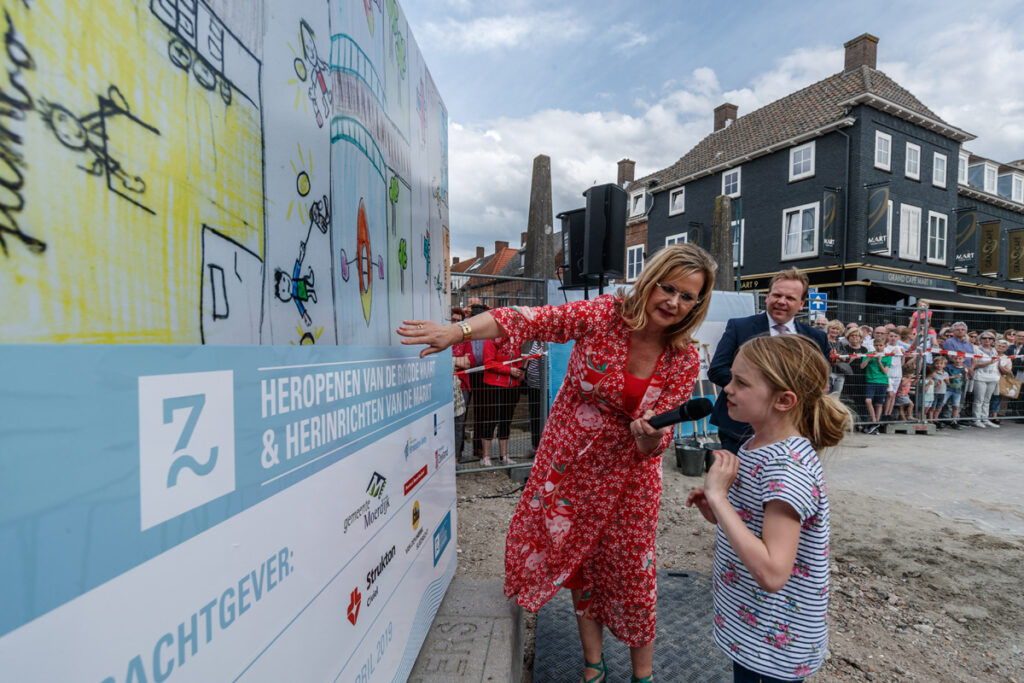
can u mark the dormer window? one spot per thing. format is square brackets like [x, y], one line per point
[1017, 189]
[801, 162]
[637, 203]
[961, 171]
[990, 179]
[731, 182]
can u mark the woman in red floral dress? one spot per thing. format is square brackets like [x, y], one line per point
[589, 513]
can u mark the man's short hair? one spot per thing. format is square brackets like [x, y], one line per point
[791, 274]
[960, 323]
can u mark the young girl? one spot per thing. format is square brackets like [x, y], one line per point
[770, 503]
[903, 400]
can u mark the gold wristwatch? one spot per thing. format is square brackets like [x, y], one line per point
[467, 331]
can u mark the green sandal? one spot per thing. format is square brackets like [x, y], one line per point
[645, 679]
[600, 667]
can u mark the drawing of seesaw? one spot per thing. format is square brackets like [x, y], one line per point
[364, 259]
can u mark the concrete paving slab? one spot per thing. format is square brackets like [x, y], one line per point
[476, 636]
[972, 475]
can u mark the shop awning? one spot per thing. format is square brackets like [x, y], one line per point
[944, 299]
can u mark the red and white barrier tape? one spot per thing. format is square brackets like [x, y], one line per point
[482, 368]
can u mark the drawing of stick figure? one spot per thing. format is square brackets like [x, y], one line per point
[317, 70]
[296, 287]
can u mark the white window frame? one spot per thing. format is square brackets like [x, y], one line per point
[886, 164]
[637, 198]
[678, 192]
[638, 263]
[678, 238]
[961, 169]
[792, 154]
[742, 222]
[910, 235]
[913, 152]
[739, 178]
[991, 188]
[1017, 188]
[816, 207]
[939, 179]
[940, 258]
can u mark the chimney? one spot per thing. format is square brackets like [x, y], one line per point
[724, 115]
[861, 51]
[627, 167]
[455, 259]
[479, 252]
[522, 239]
[500, 246]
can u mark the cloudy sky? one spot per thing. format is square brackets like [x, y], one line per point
[589, 83]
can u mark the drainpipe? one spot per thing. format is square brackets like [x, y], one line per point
[846, 216]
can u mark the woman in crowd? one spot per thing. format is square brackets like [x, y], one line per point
[501, 393]
[589, 513]
[853, 388]
[840, 368]
[986, 379]
[1004, 366]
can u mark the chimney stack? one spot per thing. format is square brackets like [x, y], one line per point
[627, 167]
[861, 51]
[522, 239]
[499, 247]
[724, 115]
[479, 252]
[455, 259]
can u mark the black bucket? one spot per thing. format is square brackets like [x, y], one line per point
[690, 458]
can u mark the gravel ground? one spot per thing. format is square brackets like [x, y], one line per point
[915, 596]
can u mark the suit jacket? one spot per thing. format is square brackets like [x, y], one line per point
[737, 331]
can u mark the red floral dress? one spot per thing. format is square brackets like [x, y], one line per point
[591, 503]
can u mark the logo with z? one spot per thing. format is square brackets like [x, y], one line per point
[186, 442]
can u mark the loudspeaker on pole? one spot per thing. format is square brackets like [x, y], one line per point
[604, 248]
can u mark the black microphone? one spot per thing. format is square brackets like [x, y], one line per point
[693, 410]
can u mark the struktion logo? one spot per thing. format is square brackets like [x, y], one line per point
[376, 486]
[415, 515]
[355, 600]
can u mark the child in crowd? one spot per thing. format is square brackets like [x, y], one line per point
[941, 378]
[929, 388]
[892, 346]
[876, 376]
[903, 400]
[955, 389]
[771, 566]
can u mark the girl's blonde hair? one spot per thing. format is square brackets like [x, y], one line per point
[792, 362]
[673, 262]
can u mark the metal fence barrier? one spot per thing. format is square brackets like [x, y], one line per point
[902, 402]
[503, 419]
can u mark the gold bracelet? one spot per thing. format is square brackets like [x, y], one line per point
[467, 331]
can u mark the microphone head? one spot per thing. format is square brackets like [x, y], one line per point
[696, 408]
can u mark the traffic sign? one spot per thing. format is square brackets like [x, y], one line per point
[817, 301]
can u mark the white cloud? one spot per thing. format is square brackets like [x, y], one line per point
[485, 34]
[630, 38]
[975, 82]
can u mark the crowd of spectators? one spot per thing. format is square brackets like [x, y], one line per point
[950, 375]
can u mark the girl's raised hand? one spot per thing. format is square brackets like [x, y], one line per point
[698, 498]
[722, 473]
[436, 337]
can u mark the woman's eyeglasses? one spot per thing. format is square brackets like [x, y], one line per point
[672, 292]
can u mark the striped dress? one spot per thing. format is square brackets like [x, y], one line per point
[782, 634]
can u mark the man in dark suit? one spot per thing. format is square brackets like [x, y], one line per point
[787, 294]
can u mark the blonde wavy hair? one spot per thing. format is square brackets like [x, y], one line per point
[674, 262]
[792, 362]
